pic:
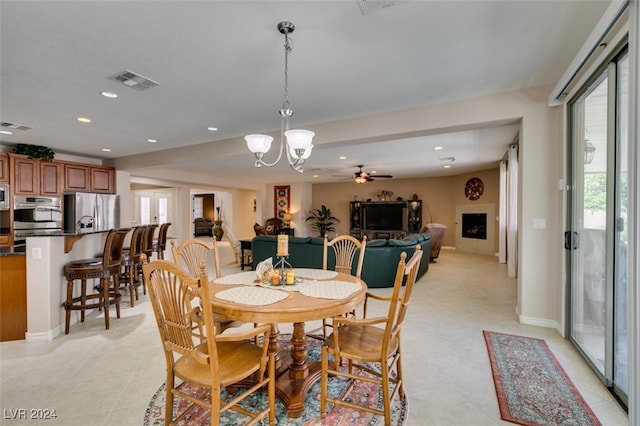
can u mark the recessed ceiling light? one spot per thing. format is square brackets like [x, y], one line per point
[152, 140]
[342, 157]
[315, 176]
[6, 132]
[447, 166]
[438, 148]
[83, 120]
[106, 149]
[109, 94]
[213, 129]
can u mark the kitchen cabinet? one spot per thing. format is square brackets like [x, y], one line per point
[102, 180]
[4, 168]
[36, 177]
[50, 178]
[13, 297]
[86, 178]
[76, 177]
[26, 175]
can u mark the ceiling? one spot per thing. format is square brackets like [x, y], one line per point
[221, 63]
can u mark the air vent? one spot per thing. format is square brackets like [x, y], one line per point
[15, 126]
[367, 6]
[136, 81]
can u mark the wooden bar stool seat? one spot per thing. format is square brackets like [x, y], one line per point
[161, 243]
[131, 276]
[106, 269]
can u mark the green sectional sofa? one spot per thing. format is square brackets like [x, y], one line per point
[380, 259]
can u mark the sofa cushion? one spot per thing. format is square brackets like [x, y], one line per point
[402, 243]
[380, 242]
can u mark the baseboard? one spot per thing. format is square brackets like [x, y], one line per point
[538, 322]
[43, 336]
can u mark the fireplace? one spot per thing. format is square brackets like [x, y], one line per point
[474, 225]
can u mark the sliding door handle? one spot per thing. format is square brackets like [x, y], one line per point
[570, 240]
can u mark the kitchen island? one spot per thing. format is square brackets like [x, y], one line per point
[46, 256]
[13, 294]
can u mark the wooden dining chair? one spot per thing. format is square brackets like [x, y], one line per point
[362, 341]
[190, 254]
[217, 362]
[345, 248]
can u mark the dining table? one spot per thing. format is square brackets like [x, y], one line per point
[315, 295]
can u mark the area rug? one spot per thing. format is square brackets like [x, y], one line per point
[336, 416]
[531, 386]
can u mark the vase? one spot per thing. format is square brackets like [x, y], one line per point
[218, 232]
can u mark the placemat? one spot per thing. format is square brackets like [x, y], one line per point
[314, 274]
[255, 296]
[246, 278]
[329, 289]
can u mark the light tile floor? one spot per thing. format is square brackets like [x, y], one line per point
[98, 377]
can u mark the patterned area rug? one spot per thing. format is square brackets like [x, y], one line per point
[531, 386]
[336, 416]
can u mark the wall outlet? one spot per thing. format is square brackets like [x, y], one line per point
[36, 253]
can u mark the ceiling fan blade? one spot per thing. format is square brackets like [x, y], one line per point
[381, 176]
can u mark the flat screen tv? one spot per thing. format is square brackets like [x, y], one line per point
[384, 216]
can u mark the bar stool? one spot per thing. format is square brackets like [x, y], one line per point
[161, 243]
[106, 269]
[148, 248]
[131, 276]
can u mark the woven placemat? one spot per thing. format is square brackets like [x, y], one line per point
[314, 274]
[328, 289]
[255, 296]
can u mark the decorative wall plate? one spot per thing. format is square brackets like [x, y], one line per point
[474, 188]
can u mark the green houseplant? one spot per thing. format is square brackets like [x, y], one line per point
[35, 151]
[322, 220]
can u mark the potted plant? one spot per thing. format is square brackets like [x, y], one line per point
[322, 220]
[35, 151]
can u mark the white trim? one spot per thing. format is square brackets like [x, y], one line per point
[633, 289]
[43, 336]
[601, 29]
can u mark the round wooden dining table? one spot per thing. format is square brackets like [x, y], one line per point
[296, 374]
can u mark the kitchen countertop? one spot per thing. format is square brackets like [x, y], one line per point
[12, 251]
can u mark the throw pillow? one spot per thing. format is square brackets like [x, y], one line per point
[259, 229]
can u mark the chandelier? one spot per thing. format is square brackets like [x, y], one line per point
[297, 141]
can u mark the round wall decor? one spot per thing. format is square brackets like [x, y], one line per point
[474, 188]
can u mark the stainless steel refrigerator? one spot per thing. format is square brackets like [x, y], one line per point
[89, 212]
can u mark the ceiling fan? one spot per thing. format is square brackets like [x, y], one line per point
[361, 176]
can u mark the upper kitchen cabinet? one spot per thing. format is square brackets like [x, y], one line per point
[26, 175]
[102, 180]
[50, 178]
[86, 178]
[35, 177]
[4, 168]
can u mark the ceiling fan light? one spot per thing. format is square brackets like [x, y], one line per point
[360, 179]
[258, 143]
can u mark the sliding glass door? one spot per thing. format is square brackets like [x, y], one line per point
[597, 238]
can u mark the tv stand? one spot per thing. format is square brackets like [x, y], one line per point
[373, 218]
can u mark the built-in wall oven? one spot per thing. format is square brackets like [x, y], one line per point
[35, 215]
[4, 196]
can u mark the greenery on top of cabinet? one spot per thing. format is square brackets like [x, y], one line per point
[35, 151]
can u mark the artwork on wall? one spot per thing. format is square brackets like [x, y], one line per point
[281, 199]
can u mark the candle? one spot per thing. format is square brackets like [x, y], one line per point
[289, 277]
[283, 245]
[275, 278]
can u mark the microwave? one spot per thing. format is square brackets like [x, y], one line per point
[4, 196]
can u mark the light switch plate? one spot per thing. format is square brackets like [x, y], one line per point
[539, 223]
[36, 253]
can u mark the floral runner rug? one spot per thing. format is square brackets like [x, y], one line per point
[531, 386]
[336, 416]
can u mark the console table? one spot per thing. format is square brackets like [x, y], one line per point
[244, 245]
